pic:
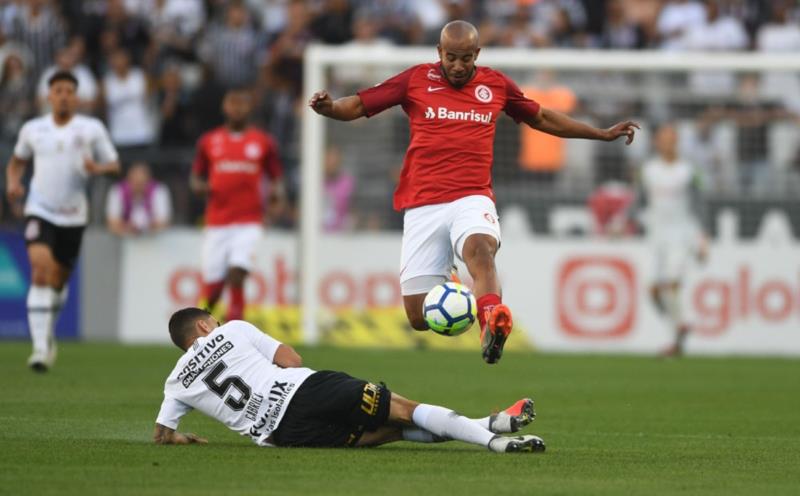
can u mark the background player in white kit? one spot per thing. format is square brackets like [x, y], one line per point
[669, 185]
[66, 149]
[257, 387]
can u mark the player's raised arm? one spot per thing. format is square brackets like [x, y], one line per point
[165, 435]
[347, 108]
[558, 124]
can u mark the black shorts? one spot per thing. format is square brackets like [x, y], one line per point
[64, 242]
[331, 410]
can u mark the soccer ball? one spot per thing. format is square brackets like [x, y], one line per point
[450, 309]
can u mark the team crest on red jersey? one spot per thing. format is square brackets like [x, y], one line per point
[252, 151]
[483, 93]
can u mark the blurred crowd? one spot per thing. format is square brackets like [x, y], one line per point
[155, 70]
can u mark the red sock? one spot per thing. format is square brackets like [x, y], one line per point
[236, 304]
[211, 293]
[486, 302]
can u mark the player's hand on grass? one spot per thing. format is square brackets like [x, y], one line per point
[627, 128]
[188, 438]
[321, 102]
[15, 191]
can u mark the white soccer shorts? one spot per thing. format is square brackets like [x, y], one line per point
[229, 246]
[673, 249]
[432, 234]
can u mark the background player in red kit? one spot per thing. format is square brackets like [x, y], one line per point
[229, 168]
[445, 186]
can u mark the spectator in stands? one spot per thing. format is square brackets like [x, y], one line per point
[558, 23]
[400, 20]
[611, 204]
[174, 103]
[38, 27]
[780, 35]
[716, 33]
[539, 153]
[127, 104]
[752, 117]
[286, 50]
[138, 204]
[174, 26]
[620, 32]
[676, 18]
[68, 59]
[15, 104]
[339, 187]
[271, 15]
[334, 24]
[234, 49]
[131, 31]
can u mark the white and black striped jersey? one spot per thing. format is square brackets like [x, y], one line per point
[57, 191]
[229, 375]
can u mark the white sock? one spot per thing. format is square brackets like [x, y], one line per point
[448, 424]
[41, 315]
[417, 435]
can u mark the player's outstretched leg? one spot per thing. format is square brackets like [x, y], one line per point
[495, 318]
[446, 424]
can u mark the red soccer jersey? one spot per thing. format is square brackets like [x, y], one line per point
[452, 130]
[234, 164]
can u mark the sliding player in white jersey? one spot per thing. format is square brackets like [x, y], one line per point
[66, 149]
[258, 387]
[672, 218]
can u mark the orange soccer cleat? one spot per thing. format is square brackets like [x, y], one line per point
[495, 332]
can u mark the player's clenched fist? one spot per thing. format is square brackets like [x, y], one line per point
[321, 102]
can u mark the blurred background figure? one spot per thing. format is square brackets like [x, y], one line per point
[611, 204]
[543, 154]
[339, 186]
[126, 92]
[15, 106]
[69, 59]
[669, 188]
[138, 204]
[234, 49]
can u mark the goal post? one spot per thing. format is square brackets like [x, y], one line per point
[593, 72]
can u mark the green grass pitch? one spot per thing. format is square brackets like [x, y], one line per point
[613, 425]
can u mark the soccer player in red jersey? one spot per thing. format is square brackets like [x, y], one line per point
[229, 167]
[445, 186]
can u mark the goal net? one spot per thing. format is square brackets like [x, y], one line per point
[735, 116]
